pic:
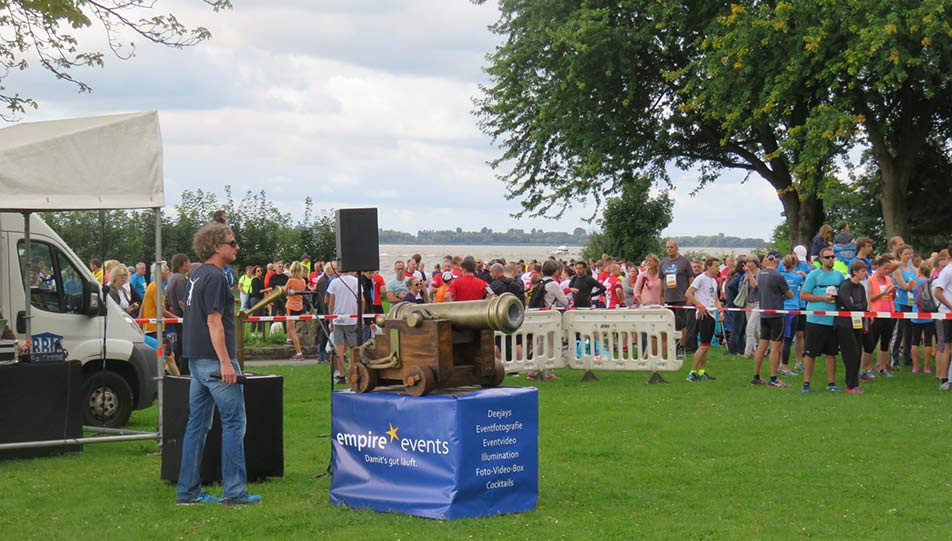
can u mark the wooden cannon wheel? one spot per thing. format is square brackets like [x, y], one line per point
[360, 378]
[498, 376]
[419, 380]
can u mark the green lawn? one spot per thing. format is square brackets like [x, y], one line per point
[618, 460]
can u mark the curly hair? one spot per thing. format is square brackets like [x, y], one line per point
[207, 239]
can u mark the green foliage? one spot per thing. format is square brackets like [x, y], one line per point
[43, 32]
[617, 460]
[264, 232]
[584, 92]
[632, 223]
[719, 241]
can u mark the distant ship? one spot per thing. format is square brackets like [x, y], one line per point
[561, 250]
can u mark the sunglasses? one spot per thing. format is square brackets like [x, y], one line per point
[233, 243]
[418, 284]
[827, 257]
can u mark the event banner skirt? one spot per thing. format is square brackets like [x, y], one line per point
[443, 456]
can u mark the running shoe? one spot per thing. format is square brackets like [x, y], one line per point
[947, 386]
[805, 389]
[863, 376]
[297, 356]
[854, 390]
[707, 376]
[885, 373]
[757, 381]
[204, 497]
[533, 375]
[692, 377]
[927, 370]
[244, 499]
[789, 373]
[915, 369]
[551, 377]
[800, 366]
[776, 383]
[871, 374]
[833, 388]
[340, 380]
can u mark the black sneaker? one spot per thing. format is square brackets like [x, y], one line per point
[340, 380]
[705, 375]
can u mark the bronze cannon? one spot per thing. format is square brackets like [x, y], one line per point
[429, 346]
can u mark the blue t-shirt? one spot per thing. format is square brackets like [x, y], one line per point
[138, 282]
[816, 283]
[805, 268]
[903, 297]
[794, 282]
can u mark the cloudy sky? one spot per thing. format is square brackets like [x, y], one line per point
[355, 103]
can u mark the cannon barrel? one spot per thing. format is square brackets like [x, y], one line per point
[276, 294]
[503, 313]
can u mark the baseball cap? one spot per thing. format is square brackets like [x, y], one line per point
[448, 276]
[801, 252]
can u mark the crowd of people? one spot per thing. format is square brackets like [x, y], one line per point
[838, 272]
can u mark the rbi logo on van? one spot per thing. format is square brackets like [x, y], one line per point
[48, 347]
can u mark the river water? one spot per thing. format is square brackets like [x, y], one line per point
[434, 253]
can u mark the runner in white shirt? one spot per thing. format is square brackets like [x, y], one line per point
[703, 295]
[942, 290]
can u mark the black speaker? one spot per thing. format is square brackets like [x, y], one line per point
[358, 245]
[264, 434]
[41, 401]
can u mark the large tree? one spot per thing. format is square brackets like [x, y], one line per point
[877, 71]
[43, 32]
[585, 94]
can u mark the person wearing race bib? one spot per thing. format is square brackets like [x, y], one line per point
[773, 290]
[819, 290]
[677, 275]
[851, 297]
[880, 292]
[703, 295]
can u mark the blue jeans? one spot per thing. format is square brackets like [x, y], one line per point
[204, 394]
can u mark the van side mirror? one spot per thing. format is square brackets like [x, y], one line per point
[92, 302]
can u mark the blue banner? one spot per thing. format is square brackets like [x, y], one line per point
[439, 456]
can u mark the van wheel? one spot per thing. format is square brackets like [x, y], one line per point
[107, 400]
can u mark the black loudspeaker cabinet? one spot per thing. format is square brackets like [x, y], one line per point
[358, 246]
[41, 401]
[264, 436]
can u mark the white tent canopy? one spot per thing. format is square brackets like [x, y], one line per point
[103, 162]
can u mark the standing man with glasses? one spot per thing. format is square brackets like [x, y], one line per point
[820, 291]
[210, 348]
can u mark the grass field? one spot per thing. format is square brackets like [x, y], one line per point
[618, 460]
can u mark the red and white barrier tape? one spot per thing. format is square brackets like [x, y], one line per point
[254, 319]
[836, 313]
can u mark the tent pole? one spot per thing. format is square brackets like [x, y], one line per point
[159, 311]
[25, 274]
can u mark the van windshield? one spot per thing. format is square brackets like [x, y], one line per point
[55, 283]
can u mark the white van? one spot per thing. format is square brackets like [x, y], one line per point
[66, 303]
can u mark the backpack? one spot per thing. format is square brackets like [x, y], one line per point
[537, 298]
[927, 302]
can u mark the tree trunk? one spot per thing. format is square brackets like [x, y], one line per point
[803, 216]
[894, 183]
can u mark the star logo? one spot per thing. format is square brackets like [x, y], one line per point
[392, 432]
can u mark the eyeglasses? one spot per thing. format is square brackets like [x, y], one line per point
[418, 284]
[233, 243]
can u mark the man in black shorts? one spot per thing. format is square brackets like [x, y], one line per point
[773, 290]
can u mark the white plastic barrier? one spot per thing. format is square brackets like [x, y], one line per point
[537, 345]
[642, 339]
